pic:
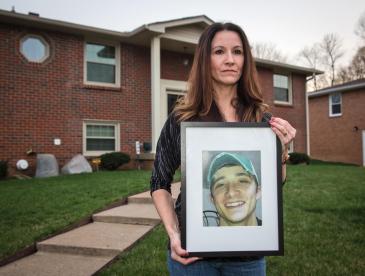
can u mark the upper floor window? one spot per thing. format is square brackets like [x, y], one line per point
[34, 48]
[102, 65]
[335, 102]
[282, 89]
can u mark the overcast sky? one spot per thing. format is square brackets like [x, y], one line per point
[289, 24]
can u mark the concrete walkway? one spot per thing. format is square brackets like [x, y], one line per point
[85, 250]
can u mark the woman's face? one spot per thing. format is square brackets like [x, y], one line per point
[226, 58]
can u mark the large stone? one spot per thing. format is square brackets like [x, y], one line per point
[78, 164]
[46, 165]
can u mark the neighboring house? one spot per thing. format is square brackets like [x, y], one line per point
[337, 123]
[67, 88]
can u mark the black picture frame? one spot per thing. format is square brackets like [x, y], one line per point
[202, 144]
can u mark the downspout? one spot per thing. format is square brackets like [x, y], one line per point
[307, 113]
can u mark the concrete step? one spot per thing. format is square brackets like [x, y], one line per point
[144, 214]
[96, 239]
[49, 264]
[145, 198]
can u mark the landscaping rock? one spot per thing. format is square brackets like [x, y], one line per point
[78, 164]
[46, 166]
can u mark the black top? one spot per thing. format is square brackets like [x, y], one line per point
[168, 153]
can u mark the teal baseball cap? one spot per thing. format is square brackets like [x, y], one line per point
[226, 158]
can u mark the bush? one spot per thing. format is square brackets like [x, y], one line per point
[298, 158]
[111, 161]
[3, 169]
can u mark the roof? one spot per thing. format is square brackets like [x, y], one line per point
[139, 36]
[293, 68]
[348, 86]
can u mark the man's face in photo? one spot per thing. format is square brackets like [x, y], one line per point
[234, 193]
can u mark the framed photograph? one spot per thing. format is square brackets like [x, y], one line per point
[231, 189]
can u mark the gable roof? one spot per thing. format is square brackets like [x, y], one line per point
[347, 86]
[146, 31]
[139, 36]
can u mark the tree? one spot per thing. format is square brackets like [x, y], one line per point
[331, 47]
[357, 66]
[312, 57]
[268, 50]
[360, 27]
[343, 75]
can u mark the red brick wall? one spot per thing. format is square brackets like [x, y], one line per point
[294, 114]
[172, 66]
[40, 102]
[334, 138]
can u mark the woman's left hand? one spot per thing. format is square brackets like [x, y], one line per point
[284, 131]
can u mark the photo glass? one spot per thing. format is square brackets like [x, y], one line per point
[231, 189]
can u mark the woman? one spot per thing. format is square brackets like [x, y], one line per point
[222, 86]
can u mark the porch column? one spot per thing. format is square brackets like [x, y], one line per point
[155, 90]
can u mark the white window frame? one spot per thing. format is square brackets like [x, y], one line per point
[116, 45]
[290, 89]
[103, 123]
[331, 104]
[47, 50]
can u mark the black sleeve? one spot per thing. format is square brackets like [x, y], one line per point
[167, 159]
[266, 117]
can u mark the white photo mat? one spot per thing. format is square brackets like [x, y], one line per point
[263, 240]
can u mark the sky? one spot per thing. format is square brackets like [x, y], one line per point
[289, 24]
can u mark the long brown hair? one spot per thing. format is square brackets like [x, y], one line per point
[199, 98]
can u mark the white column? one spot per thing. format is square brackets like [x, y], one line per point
[155, 90]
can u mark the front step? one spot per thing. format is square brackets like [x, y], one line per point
[49, 264]
[145, 198]
[144, 214]
[96, 239]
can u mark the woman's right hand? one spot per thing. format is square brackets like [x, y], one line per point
[178, 253]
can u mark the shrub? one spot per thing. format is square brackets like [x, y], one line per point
[298, 158]
[111, 161]
[3, 169]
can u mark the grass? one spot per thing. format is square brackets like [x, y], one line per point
[34, 209]
[324, 222]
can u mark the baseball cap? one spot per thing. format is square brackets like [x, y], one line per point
[226, 158]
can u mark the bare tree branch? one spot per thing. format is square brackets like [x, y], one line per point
[360, 27]
[311, 56]
[331, 47]
[267, 50]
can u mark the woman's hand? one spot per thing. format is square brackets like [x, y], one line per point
[179, 254]
[284, 131]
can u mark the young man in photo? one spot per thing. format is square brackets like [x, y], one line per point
[234, 190]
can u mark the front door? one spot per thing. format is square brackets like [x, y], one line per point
[172, 97]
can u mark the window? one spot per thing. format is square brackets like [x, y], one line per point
[335, 104]
[34, 48]
[102, 65]
[100, 137]
[282, 89]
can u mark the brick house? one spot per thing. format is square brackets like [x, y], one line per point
[337, 123]
[67, 88]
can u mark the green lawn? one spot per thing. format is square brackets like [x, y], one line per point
[33, 209]
[324, 222]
